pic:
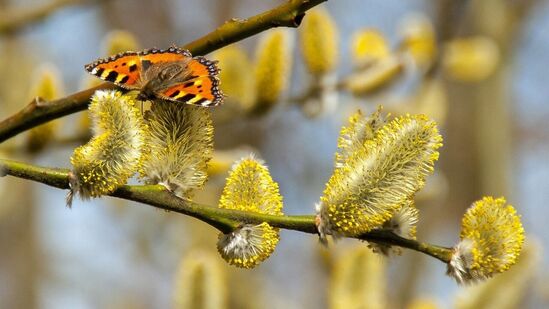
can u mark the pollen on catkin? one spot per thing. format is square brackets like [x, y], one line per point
[377, 179]
[319, 41]
[179, 146]
[272, 67]
[250, 188]
[491, 240]
[360, 129]
[113, 154]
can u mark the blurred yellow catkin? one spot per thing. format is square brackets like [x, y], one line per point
[375, 77]
[200, 282]
[368, 46]
[118, 41]
[358, 281]
[47, 86]
[471, 59]
[319, 41]
[419, 39]
[423, 303]
[236, 80]
[272, 67]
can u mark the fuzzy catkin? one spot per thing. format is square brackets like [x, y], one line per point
[375, 181]
[250, 188]
[319, 41]
[491, 240]
[113, 154]
[179, 142]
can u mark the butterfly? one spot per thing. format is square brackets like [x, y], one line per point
[171, 74]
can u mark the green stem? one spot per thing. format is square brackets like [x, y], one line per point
[225, 220]
[39, 111]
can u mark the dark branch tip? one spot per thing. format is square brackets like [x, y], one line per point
[298, 18]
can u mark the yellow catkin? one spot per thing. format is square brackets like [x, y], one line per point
[179, 146]
[373, 183]
[368, 46]
[236, 80]
[119, 41]
[223, 160]
[358, 281]
[359, 130]
[319, 41]
[423, 303]
[470, 59]
[272, 67]
[375, 77]
[419, 39]
[497, 292]
[200, 282]
[47, 86]
[250, 188]
[113, 154]
[496, 234]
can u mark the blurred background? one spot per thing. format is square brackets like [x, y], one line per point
[475, 66]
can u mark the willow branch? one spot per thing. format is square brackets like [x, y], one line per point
[225, 220]
[38, 111]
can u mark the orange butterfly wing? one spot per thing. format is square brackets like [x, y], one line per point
[202, 88]
[203, 91]
[164, 55]
[122, 69]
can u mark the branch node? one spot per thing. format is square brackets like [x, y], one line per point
[40, 102]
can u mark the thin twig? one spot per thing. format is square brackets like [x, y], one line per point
[289, 14]
[225, 220]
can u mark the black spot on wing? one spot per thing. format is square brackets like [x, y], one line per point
[187, 97]
[124, 79]
[99, 72]
[111, 77]
[202, 102]
[174, 94]
[133, 67]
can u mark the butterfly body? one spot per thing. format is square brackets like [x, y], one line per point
[171, 74]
